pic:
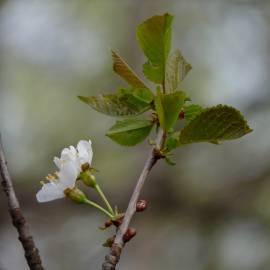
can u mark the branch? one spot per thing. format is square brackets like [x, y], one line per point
[112, 259]
[18, 220]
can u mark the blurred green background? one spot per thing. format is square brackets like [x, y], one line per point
[209, 212]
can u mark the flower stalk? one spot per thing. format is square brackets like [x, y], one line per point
[97, 206]
[104, 199]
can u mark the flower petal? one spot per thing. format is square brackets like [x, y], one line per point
[57, 162]
[50, 191]
[68, 174]
[85, 151]
[69, 154]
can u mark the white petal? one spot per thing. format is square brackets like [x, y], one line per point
[73, 150]
[50, 191]
[57, 162]
[69, 154]
[85, 151]
[68, 174]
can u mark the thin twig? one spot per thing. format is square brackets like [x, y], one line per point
[18, 220]
[112, 259]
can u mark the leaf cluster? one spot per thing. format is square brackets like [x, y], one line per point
[167, 102]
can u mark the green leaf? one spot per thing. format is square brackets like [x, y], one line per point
[124, 71]
[172, 141]
[130, 131]
[154, 36]
[153, 73]
[141, 98]
[170, 161]
[159, 108]
[116, 105]
[191, 111]
[168, 107]
[219, 123]
[143, 94]
[176, 70]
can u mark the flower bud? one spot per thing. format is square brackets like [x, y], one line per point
[88, 179]
[181, 115]
[107, 224]
[118, 220]
[109, 242]
[75, 195]
[130, 233]
[141, 205]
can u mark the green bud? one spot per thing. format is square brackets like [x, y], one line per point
[75, 195]
[109, 242]
[88, 179]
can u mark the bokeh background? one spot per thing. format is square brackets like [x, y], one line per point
[209, 212]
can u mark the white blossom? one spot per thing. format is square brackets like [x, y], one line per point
[70, 166]
[58, 183]
[79, 156]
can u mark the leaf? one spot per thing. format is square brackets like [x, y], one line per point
[219, 123]
[130, 131]
[176, 70]
[116, 105]
[143, 94]
[172, 141]
[191, 111]
[168, 107]
[141, 98]
[159, 108]
[153, 73]
[154, 36]
[124, 71]
[170, 161]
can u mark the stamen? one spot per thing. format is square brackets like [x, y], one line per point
[52, 177]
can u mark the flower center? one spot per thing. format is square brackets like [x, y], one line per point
[52, 177]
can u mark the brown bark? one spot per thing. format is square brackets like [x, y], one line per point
[113, 258]
[30, 251]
